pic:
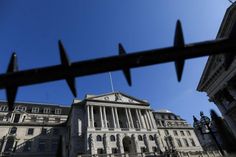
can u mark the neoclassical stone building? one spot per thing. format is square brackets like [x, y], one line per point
[32, 129]
[111, 123]
[218, 82]
[175, 133]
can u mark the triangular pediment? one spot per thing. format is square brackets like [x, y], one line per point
[116, 97]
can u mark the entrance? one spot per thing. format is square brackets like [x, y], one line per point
[128, 145]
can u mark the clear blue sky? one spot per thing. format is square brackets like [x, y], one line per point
[93, 28]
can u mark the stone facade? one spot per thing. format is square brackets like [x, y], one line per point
[175, 134]
[31, 128]
[220, 83]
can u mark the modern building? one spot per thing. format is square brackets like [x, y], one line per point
[218, 81]
[175, 133]
[31, 128]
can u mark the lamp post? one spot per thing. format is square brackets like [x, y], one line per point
[205, 121]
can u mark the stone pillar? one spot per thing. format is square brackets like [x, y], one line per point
[106, 144]
[127, 116]
[101, 117]
[105, 116]
[141, 118]
[138, 117]
[117, 118]
[120, 144]
[145, 120]
[153, 120]
[146, 143]
[92, 116]
[149, 119]
[131, 118]
[4, 144]
[113, 117]
[88, 114]
[135, 139]
[91, 144]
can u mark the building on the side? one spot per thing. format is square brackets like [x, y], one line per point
[111, 123]
[175, 134]
[219, 82]
[32, 129]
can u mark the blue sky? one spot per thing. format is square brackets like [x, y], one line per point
[91, 29]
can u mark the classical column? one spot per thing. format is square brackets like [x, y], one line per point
[127, 116]
[146, 120]
[105, 116]
[92, 116]
[141, 119]
[101, 117]
[146, 143]
[131, 118]
[88, 116]
[4, 144]
[135, 139]
[149, 120]
[138, 117]
[113, 117]
[120, 144]
[153, 119]
[117, 118]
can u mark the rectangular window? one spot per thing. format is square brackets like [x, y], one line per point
[1, 118]
[57, 111]
[46, 110]
[166, 132]
[3, 108]
[192, 142]
[175, 133]
[30, 131]
[179, 142]
[100, 151]
[186, 142]
[16, 118]
[35, 110]
[182, 133]
[188, 133]
[114, 150]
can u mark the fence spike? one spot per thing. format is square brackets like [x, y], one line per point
[66, 62]
[126, 71]
[179, 42]
[12, 90]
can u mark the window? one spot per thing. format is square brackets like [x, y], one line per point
[57, 119]
[1, 118]
[154, 149]
[41, 146]
[46, 110]
[27, 146]
[114, 150]
[20, 108]
[151, 138]
[35, 110]
[100, 151]
[192, 142]
[33, 119]
[57, 111]
[179, 142]
[44, 131]
[166, 132]
[99, 138]
[13, 130]
[143, 149]
[188, 133]
[3, 108]
[186, 142]
[140, 138]
[175, 133]
[45, 119]
[30, 131]
[182, 133]
[16, 118]
[112, 138]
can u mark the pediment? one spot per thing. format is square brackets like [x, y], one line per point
[116, 97]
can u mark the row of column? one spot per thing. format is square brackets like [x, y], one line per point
[145, 120]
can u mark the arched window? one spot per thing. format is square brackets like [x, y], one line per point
[140, 138]
[151, 138]
[112, 138]
[99, 138]
[13, 130]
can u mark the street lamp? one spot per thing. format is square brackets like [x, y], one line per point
[205, 121]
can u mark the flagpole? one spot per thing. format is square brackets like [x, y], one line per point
[112, 88]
